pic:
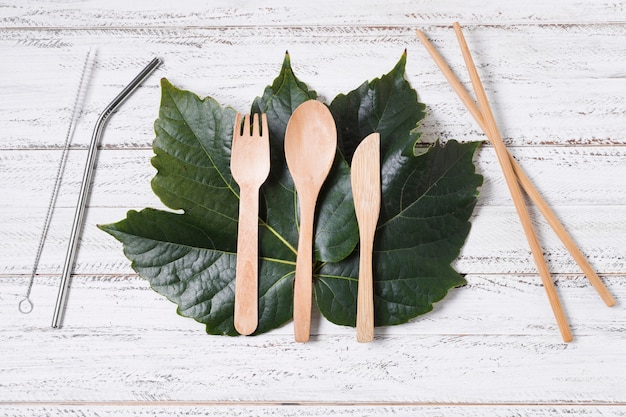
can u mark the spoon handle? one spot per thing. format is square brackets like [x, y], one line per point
[246, 281]
[303, 286]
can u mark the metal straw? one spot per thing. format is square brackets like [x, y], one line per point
[86, 184]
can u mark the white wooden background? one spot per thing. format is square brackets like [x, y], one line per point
[555, 72]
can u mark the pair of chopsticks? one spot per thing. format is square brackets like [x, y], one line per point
[515, 177]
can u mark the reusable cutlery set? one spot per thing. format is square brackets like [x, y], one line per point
[310, 148]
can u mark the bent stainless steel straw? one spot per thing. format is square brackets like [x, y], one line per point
[86, 184]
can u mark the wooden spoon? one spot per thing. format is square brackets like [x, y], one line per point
[365, 178]
[310, 146]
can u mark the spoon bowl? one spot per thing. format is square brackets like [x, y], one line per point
[310, 144]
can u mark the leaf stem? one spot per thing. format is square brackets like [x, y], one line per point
[337, 277]
[278, 261]
[278, 236]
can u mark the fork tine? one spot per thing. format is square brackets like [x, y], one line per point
[246, 125]
[255, 125]
[264, 129]
[237, 126]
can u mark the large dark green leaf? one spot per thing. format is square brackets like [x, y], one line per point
[427, 201]
[176, 257]
[418, 236]
[387, 105]
[189, 256]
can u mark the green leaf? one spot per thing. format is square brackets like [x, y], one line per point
[176, 257]
[427, 201]
[387, 105]
[192, 147]
[189, 255]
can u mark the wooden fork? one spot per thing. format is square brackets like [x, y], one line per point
[250, 166]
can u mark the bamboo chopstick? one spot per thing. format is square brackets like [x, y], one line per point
[524, 181]
[516, 194]
[485, 119]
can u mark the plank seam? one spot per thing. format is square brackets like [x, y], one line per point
[174, 403]
[409, 27]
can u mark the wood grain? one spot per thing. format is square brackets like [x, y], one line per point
[171, 408]
[566, 176]
[497, 304]
[81, 365]
[495, 244]
[554, 74]
[118, 13]
[573, 98]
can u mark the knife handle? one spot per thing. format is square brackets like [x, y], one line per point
[365, 295]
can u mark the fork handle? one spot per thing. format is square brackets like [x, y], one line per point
[246, 278]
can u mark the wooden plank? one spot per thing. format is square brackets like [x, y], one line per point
[489, 304]
[495, 244]
[567, 176]
[308, 410]
[118, 13]
[572, 99]
[99, 364]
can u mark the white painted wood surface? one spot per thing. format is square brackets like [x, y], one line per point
[556, 75]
